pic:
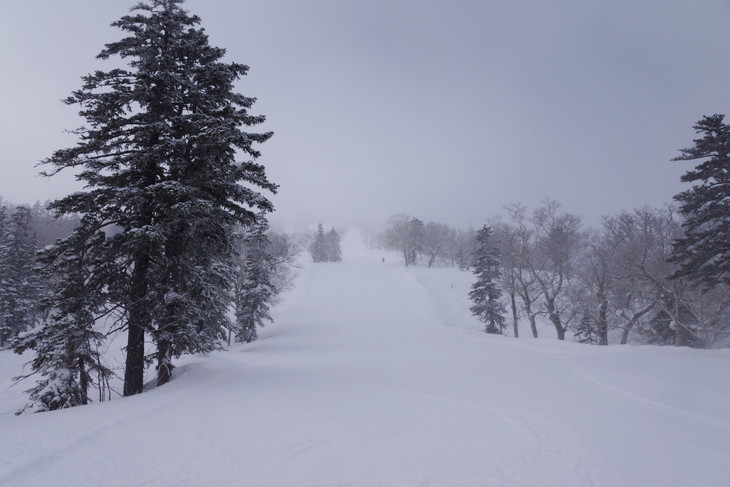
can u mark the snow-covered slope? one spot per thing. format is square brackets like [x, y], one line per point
[371, 377]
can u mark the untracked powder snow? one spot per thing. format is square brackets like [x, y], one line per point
[374, 374]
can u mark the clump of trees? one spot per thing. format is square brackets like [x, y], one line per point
[23, 230]
[325, 247]
[634, 278]
[606, 284]
[20, 287]
[430, 242]
[171, 226]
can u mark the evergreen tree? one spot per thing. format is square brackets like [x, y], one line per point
[318, 247]
[67, 344]
[484, 292]
[254, 286]
[158, 159]
[704, 251]
[333, 252]
[19, 285]
[586, 329]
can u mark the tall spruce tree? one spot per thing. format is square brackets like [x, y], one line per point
[704, 251]
[484, 292]
[158, 157]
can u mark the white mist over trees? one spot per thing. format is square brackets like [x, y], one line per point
[170, 239]
[169, 248]
[325, 247]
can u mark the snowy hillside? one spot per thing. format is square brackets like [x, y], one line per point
[375, 375]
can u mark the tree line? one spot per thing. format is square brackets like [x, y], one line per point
[658, 274]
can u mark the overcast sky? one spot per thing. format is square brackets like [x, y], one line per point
[446, 110]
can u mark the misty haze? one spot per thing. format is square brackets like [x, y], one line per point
[335, 243]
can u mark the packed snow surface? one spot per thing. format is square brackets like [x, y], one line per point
[373, 375]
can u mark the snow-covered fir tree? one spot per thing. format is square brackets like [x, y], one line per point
[254, 288]
[158, 158]
[19, 284]
[484, 292]
[318, 247]
[586, 329]
[333, 251]
[703, 252]
[67, 344]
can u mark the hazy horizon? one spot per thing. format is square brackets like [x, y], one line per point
[447, 112]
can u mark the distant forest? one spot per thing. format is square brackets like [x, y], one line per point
[619, 283]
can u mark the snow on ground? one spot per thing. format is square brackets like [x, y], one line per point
[448, 292]
[371, 376]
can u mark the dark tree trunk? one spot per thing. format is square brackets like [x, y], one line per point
[554, 316]
[602, 317]
[528, 309]
[514, 314]
[625, 333]
[138, 323]
[632, 322]
[533, 325]
[84, 382]
[134, 365]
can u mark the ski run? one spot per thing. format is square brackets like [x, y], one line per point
[376, 375]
